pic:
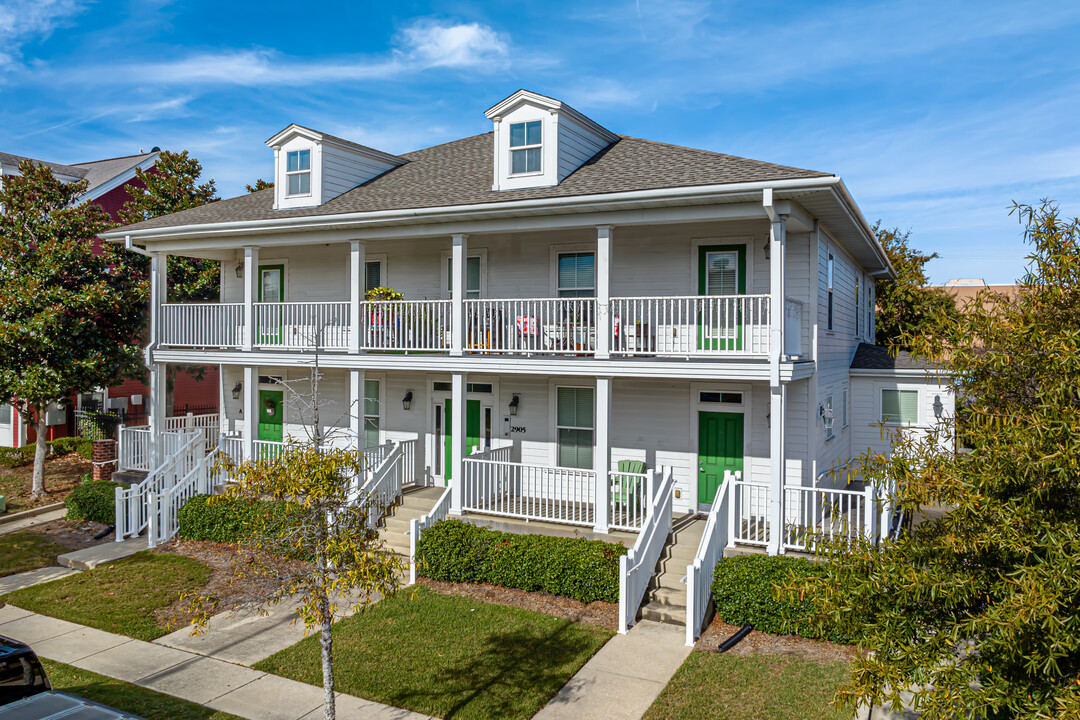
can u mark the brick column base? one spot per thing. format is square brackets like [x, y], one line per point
[104, 451]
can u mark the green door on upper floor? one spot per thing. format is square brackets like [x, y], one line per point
[271, 290]
[270, 415]
[720, 448]
[472, 433]
[721, 272]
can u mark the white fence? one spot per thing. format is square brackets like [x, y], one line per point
[699, 573]
[638, 566]
[690, 326]
[203, 325]
[628, 498]
[532, 492]
[302, 325]
[748, 512]
[556, 325]
[163, 508]
[416, 528]
[136, 448]
[793, 312]
[814, 515]
[406, 325]
[208, 423]
[132, 504]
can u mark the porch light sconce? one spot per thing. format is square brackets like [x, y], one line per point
[768, 419]
[767, 251]
[406, 402]
[514, 405]
[240, 269]
[237, 389]
[939, 408]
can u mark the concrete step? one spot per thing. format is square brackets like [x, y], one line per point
[668, 614]
[103, 554]
[668, 597]
[129, 477]
[672, 579]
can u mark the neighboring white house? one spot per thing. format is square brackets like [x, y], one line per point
[573, 299]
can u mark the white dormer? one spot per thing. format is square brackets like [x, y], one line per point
[311, 167]
[539, 141]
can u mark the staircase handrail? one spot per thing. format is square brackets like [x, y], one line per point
[383, 485]
[417, 526]
[699, 573]
[164, 508]
[637, 566]
[132, 509]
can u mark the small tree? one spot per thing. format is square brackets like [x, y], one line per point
[976, 612]
[905, 304]
[70, 317]
[260, 184]
[170, 186]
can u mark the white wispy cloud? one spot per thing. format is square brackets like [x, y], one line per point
[22, 21]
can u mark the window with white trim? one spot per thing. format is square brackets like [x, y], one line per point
[5, 414]
[844, 409]
[298, 173]
[372, 275]
[828, 417]
[576, 274]
[371, 413]
[472, 277]
[574, 426]
[899, 407]
[829, 304]
[526, 147]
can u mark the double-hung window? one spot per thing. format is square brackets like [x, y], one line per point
[900, 407]
[472, 277]
[577, 274]
[829, 303]
[574, 426]
[371, 413]
[298, 172]
[526, 147]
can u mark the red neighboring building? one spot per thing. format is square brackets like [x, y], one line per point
[108, 181]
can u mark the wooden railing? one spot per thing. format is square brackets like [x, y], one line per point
[699, 325]
[302, 325]
[637, 567]
[628, 498]
[416, 528]
[202, 325]
[699, 573]
[548, 325]
[406, 325]
[533, 492]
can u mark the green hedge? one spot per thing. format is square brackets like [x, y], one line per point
[456, 551]
[93, 500]
[16, 457]
[221, 519]
[745, 592]
[65, 445]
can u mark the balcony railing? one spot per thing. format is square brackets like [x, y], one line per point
[219, 325]
[302, 326]
[551, 325]
[691, 326]
[406, 325]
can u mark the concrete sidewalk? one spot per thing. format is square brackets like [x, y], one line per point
[623, 679]
[210, 682]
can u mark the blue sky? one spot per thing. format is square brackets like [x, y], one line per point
[936, 114]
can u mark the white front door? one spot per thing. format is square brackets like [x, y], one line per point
[7, 426]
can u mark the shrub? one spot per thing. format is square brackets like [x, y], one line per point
[745, 592]
[94, 500]
[219, 518]
[586, 570]
[16, 457]
[65, 445]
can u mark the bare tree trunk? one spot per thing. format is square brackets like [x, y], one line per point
[38, 487]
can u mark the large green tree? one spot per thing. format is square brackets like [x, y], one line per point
[170, 186]
[977, 612]
[905, 306]
[70, 315]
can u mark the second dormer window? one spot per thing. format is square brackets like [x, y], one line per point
[525, 146]
[298, 172]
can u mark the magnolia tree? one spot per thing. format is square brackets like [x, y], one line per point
[977, 612]
[70, 315]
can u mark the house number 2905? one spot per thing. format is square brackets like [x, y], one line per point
[517, 429]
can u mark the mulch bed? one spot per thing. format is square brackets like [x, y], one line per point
[600, 614]
[761, 643]
[72, 534]
[61, 475]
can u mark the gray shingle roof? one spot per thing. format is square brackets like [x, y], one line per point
[459, 173]
[69, 170]
[98, 172]
[877, 357]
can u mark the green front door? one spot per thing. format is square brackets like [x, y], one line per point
[720, 448]
[472, 433]
[270, 415]
[271, 290]
[721, 271]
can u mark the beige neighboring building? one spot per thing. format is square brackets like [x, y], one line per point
[964, 289]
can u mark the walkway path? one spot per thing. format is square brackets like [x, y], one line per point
[27, 521]
[210, 682]
[623, 679]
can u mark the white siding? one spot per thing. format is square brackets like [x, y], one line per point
[345, 168]
[868, 432]
[576, 146]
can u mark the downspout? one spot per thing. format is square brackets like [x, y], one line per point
[128, 245]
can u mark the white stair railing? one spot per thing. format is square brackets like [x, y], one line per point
[628, 499]
[163, 520]
[637, 567]
[135, 449]
[132, 506]
[208, 423]
[384, 486]
[748, 512]
[417, 527]
[699, 573]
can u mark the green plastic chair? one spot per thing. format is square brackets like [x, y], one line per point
[625, 488]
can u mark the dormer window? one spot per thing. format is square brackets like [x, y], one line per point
[298, 172]
[525, 147]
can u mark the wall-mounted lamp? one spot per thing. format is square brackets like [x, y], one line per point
[237, 389]
[514, 405]
[768, 419]
[939, 408]
[767, 250]
[240, 269]
[406, 402]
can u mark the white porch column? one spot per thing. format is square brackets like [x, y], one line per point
[158, 295]
[603, 291]
[251, 410]
[459, 260]
[156, 416]
[358, 281]
[777, 467]
[251, 294]
[777, 247]
[458, 449]
[356, 399]
[602, 455]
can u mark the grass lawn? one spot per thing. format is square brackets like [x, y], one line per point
[22, 551]
[757, 687]
[125, 696]
[119, 598]
[61, 475]
[448, 656]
